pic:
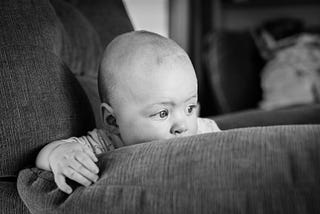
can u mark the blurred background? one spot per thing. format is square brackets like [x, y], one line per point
[248, 54]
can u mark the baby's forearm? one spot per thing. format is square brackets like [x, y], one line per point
[42, 160]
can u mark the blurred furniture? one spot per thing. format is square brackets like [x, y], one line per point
[231, 69]
[309, 114]
[226, 58]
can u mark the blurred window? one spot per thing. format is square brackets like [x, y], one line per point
[151, 15]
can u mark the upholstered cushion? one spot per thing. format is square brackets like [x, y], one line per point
[82, 47]
[254, 170]
[10, 202]
[81, 51]
[109, 18]
[41, 101]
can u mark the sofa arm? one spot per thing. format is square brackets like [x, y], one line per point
[296, 115]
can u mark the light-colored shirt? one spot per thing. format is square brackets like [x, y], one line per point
[100, 140]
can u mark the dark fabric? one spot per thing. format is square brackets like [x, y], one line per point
[30, 23]
[232, 66]
[254, 170]
[41, 101]
[81, 50]
[309, 114]
[10, 202]
[108, 17]
[82, 47]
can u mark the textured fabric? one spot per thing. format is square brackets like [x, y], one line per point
[41, 101]
[81, 51]
[257, 170]
[10, 202]
[82, 48]
[29, 23]
[108, 17]
[309, 114]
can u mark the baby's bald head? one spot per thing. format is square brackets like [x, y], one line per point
[137, 51]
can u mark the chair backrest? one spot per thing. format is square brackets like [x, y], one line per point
[41, 100]
[232, 66]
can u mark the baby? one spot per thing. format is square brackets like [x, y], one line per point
[148, 90]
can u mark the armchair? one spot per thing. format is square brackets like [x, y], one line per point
[42, 57]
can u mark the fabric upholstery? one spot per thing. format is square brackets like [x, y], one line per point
[108, 17]
[81, 51]
[10, 202]
[30, 23]
[82, 48]
[41, 100]
[254, 170]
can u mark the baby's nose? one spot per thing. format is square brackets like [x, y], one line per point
[178, 129]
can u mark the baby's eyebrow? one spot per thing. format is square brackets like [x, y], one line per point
[162, 103]
[190, 98]
[171, 102]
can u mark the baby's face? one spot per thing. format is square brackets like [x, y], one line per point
[157, 104]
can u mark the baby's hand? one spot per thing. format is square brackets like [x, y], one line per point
[75, 161]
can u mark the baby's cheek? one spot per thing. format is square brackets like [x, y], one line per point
[155, 130]
[128, 132]
[140, 131]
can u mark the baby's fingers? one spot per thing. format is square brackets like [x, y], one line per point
[86, 161]
[90, 153]
[75, 176]
[82, 170]
[61, 183]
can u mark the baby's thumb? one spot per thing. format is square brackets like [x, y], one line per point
[61, 183]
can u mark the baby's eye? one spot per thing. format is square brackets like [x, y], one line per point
[190, 109]
[161, 115]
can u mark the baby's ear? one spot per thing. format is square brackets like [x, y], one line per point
[109, 120]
